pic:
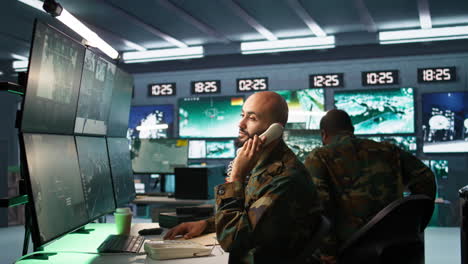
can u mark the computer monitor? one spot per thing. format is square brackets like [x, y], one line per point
[445, 122]
[306, 107]
[407, 143]
[120, 105]
[302, 142]
[55, 66]
[56, 191]
[151, 121]
[97, 83]
[197, 149]
[440, 169]
[220, 149]
[158, 155]
[209, 117]
[95, 175]
[383, 111]
[121, 170]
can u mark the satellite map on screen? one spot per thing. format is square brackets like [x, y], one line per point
[302, 142]
[94, 100]
[220, 149]
[386, 111]
[306, 107]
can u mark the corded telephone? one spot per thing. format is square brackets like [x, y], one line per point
[273, 132]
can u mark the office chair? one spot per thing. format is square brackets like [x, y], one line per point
[315, 242]
[394, 235]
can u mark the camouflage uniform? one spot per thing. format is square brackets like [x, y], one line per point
[356, 178]
[269, 219]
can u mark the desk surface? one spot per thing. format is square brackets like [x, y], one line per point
[144, 199]
[82, 248]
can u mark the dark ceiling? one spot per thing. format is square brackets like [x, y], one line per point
[222, 24]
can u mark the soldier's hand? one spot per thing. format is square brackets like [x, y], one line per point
[187, 229]
[247, 158]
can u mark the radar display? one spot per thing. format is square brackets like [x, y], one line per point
[388, 111]
[445, 122]
[95, 175]
[57, 192]
[53, 82]
[209, 117]
[95, 95]
[306, 108]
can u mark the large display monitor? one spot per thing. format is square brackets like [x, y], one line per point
[151, 121]
[302, 142]
[121, 170]
[95, 175]
[120, 105]
[55, 186]
[97, 83]
[220, 149]
[445, 122]
[55, 66]
[306, 107]
[386, 111]
[159, 155]
[209, 117]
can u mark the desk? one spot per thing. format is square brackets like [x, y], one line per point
[70, 245]
[162, 204]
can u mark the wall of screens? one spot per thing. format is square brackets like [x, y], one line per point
[75, 97]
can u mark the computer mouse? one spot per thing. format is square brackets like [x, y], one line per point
[151, 231]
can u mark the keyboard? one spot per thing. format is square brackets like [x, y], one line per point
[121, 244]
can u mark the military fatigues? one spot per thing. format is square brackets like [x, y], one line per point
[356, 178]
[270, 219]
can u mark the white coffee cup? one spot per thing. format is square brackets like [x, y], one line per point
[123, 220]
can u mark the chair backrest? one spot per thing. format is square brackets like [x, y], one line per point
[315, 242]
[394, 231]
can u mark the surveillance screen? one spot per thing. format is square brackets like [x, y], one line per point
[152, 121]
[197, 149]
[407, 143]
[56, 63]
[302, 142]
[158, 155]
[95, 175]
[121, 170]
[55, 180]
[120, 105]
[386, 111]
[95, 95]
[306, 107]
[220, 149]
[209, 117]
[445, 122]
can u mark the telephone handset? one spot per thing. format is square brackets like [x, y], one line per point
[273, 132]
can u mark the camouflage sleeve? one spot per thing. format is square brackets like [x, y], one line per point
[271, 221]
[210, 228]
[417, 176]
[319, 174]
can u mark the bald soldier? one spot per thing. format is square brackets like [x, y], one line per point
[269, 209]
[356, 178]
